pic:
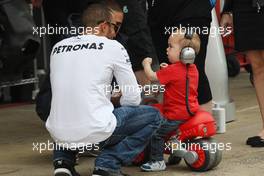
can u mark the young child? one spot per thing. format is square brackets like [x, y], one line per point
[174, 107]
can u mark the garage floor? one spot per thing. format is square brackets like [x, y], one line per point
[20, 130]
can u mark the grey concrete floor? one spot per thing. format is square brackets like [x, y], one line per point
[20, 130]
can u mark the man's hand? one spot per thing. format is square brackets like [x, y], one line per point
[115, 98]
[147, 61]
[226, 22]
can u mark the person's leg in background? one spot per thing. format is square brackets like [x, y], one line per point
[204, 90]
[135, 126]
[142, 78]
[139, 42]
[256, 59]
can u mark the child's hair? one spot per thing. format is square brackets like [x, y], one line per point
[184, 42]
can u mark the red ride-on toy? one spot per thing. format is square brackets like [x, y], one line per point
[194, 143]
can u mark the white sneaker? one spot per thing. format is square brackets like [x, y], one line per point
[153, 166]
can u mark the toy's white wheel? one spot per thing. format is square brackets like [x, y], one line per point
[208, 157]
[218, 155]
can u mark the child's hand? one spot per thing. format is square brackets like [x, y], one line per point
[147, 61]
[151, 75]
[163, 65]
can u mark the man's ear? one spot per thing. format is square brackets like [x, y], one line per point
[103, 28]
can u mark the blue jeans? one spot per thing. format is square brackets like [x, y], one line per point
[157, 143]
[65, 154]
[135, 126]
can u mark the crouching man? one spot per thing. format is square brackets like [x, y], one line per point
[81, 71]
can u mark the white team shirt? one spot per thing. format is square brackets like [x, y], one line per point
[81, 72]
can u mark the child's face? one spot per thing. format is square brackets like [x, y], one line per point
[174, 49]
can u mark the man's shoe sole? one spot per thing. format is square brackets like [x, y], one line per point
[62, 172]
